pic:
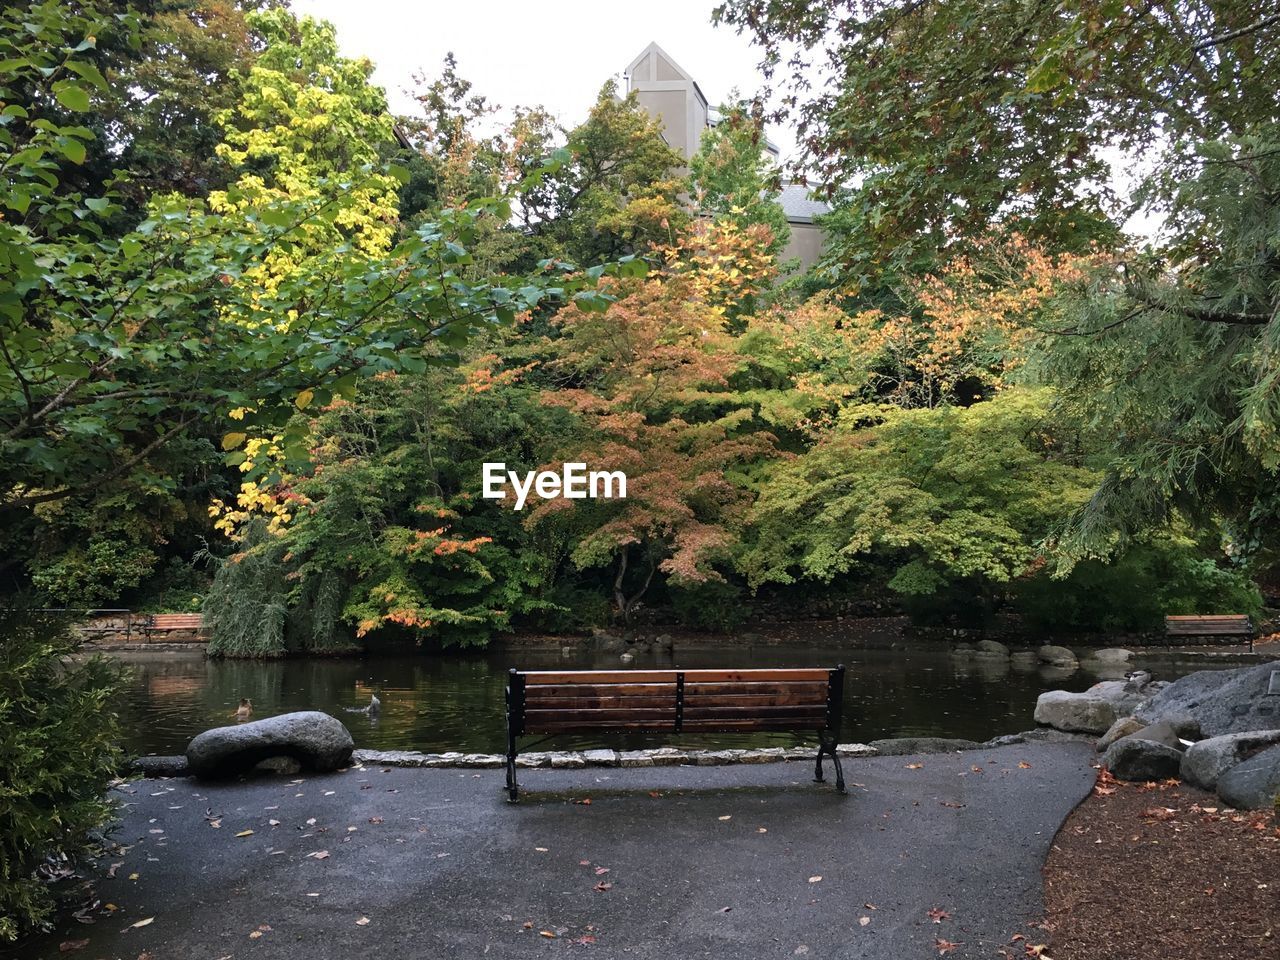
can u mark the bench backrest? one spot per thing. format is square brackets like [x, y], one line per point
[674, 701]
[1234, 624]
[176, 621]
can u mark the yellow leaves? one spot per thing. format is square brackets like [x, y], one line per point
[232, 440]
[303, 400]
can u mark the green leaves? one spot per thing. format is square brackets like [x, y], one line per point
[71, 95]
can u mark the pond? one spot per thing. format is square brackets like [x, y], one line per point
[437, 703]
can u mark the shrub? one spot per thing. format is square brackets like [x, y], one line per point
[58, 754]
[1168, 575]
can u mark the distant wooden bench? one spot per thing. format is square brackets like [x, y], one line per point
[676, 701]
[167, 624]
[1219, 629]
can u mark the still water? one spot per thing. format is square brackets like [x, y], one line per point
[437, 703]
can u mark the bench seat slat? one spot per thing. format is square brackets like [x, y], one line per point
[733, 726]
[601, 703]
[626, 713]
[538, 677]
[741, 713]
[552, 691]
[635, 726]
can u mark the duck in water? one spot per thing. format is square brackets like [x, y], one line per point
[245, 710]
[373, 709]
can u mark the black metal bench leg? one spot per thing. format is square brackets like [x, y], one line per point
[513, 789]
[835, 759]
[817, 766]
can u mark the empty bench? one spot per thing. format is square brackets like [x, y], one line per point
[554, 702]
[167, 624]
[1220, 629]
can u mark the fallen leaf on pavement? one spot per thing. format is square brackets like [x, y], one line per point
[761, 830]
[320, 854]
[817, 879]
[727, 816]
[603, 886]
[546, 933]
[111, 870]
[142, 923]
[66, 946]
[863, 921]
[362, 922]
[915, 766]
[1023, 765]
[944, 946]
[937, 915]
[601, 871]
[245, 833]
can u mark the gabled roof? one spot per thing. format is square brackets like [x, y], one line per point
[680, 71]
[799, 205]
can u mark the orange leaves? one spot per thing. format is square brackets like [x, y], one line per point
[482, 376]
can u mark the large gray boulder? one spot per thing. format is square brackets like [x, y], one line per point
[1121, 728]
[1057, 656]
[1252, 784]
[1205, 762]
[315, 740]
[1076, 712]
[1223, 701]
[1093, 711]
[1135, 758]
[906, 746]
[991, 648]
[1126, 696]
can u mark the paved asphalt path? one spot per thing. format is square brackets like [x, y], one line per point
[752, 861]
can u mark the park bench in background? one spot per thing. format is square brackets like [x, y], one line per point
[1226, 628]
[673, 702]
[174, 626]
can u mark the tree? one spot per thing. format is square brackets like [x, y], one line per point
[733, 178]
[116, 344]
[941, 120]
[940, 498]
[618, 194]
[1169, 358]
[649, 380]
[386, 532]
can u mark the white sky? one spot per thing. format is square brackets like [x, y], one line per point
[556, 54]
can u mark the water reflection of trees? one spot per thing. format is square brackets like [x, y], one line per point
[439, 703]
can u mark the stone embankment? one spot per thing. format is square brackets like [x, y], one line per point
[1217, 729]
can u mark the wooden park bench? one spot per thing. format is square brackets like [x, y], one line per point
[166, 624]
[1218, 629]
[675, 701]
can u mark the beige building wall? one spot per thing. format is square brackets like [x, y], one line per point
[670, 94]
[805, 244]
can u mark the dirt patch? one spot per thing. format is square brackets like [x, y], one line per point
[1163, 872]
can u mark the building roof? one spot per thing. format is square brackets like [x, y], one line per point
[799, 205]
